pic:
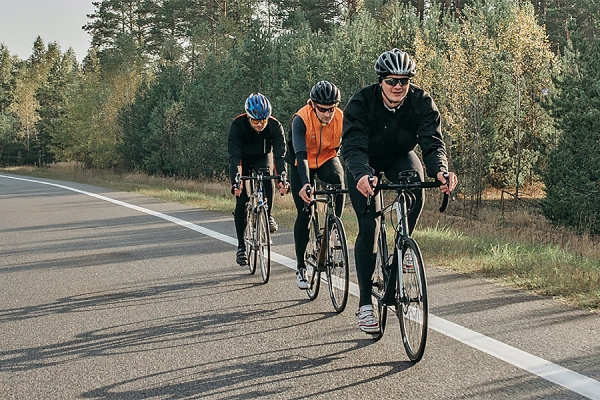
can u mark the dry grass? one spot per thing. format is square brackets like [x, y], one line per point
[515, 245]
[509, 243]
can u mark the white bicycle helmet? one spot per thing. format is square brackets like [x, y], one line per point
[395, 62]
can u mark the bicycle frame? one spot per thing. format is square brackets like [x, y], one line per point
[255, 189]
[399, 207]
[330, 192]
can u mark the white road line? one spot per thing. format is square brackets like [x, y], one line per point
[564, 377]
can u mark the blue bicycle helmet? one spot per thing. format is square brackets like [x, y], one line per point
[258, 106]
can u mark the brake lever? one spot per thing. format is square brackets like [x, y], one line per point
[306, 207]
[371, 180]
[452, 195]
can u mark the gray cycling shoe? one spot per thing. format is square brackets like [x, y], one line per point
[367, 322]
[301, 279]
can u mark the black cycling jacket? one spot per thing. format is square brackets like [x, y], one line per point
[371, 130]
[244, 142]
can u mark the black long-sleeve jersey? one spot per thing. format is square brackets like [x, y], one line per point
[371, 130]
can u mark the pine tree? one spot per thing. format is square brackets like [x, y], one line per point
[573, 178]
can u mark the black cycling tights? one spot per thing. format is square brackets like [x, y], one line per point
[239, 215]
[330, 172]
[365, 248]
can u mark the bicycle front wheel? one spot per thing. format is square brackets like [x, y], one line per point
[249, 239]
[411, 299]
[338, 272]
[262, 255]
[311, 259]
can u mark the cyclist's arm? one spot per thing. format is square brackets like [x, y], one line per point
[234, 149]
[355, 137]
[299, 141]
[430, 138]
[278, 142]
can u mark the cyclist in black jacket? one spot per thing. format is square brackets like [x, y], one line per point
[383, 123]
[255, 141]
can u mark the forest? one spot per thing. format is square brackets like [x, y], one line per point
[517, 83]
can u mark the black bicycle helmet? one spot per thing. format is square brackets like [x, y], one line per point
[395, 62]
[325, 93]
[258, 106]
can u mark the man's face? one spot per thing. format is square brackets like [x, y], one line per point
[325, 112]
[258, 124]
[395, 87]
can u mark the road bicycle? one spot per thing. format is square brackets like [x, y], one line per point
[257, 237]
[327, 250]
[396, 284]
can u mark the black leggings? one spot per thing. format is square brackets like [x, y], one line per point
[365, 247]
[330, 172]
[239, 215]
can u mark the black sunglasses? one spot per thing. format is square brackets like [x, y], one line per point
[395, 81]
[325, 109]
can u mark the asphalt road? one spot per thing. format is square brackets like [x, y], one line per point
[111, 295]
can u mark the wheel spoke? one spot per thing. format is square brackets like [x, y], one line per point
[311, 256]
[412, 305]
[337, 265]
[263, 241]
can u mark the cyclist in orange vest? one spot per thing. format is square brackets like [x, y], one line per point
[315, 141]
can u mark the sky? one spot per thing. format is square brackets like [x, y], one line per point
[22, 21]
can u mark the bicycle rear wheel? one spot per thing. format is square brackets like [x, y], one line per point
[249, 238]
[338, 271]
[411, 305]
[378, 289]
[311, 259]
[262, 255]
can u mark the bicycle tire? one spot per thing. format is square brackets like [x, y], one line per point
[378, 287]
[411, 305]
[311, 259]
[249, 239]
[338, 270]
[262, 255]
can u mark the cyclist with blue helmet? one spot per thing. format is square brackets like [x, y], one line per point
[255, 140]
[313, 149]
[383, 123]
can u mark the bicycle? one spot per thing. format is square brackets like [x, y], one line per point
[257, 237]
[395, 285]
[327, 250]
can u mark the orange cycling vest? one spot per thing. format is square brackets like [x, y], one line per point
[322, 142]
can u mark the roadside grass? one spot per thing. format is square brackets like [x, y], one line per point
[510, 245]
